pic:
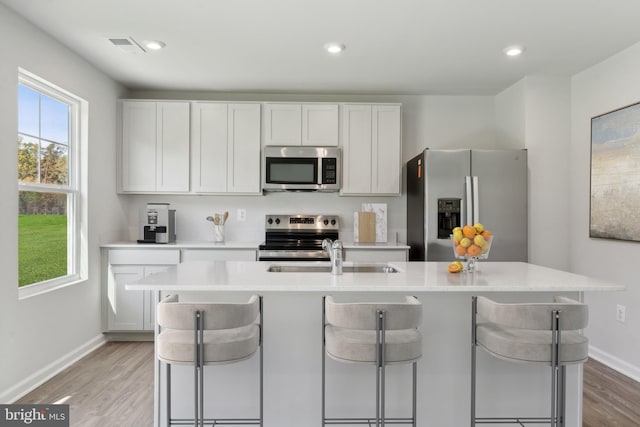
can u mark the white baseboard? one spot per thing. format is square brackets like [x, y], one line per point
[40, 377]
[615, 363]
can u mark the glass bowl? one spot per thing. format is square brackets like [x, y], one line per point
[477, 249]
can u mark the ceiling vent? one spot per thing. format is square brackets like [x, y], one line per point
[127, 44]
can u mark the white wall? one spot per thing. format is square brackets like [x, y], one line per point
[548, 112]
[43, 333]
[612, 84]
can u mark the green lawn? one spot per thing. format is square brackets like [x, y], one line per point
[42, 248]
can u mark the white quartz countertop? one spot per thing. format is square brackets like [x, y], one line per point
[412, 277]
[238, 245]
[183, 245]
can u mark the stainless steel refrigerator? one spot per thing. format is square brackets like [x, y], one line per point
[448, 188]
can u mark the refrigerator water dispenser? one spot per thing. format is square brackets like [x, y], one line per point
[448, 216]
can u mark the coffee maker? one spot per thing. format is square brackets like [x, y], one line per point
[158, 224]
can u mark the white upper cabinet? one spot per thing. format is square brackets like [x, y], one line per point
[282, 124]
[371, 149]
[320, 125]
[225, 148]
[155, 147]
[301, 124]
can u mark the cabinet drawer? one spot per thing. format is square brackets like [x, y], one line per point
[219, 255]
[144, 256]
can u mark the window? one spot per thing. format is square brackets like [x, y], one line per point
[49, 187]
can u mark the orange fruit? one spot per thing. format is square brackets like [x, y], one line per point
[455, 267]
[487, 235]
[474, 250]
[469, 231]
[461, 250]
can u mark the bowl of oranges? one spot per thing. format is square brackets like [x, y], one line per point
[472, 243]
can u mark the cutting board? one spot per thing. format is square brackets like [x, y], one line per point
[366, 227]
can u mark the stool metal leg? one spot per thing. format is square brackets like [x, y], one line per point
[382, 367]
[474, 310]
[196, 362]
[378, 371]
[562, 394]
[201, 346]
[324, 321]
[415, 395]
[261, 364]
[555, 362]
[168, 381]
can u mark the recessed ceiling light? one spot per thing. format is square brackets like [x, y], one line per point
[154, 44]
[334, 47]
[513, 50]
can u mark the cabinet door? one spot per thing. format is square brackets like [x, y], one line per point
[209, 148]
[172, 167]
[243, 173]
[138, 151]
[283, 124]
[124, 311]
[356, 149]
[320, 125]
[386, 150]
[375, 255]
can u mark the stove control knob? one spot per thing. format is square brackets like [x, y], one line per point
[277, 220]
[333, 222]
[270, 221]
[326, 222]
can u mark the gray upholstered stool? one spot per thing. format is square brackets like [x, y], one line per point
[202, 334]
[546, 334]
[372, 333]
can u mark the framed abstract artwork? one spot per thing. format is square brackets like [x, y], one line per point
[615, 174]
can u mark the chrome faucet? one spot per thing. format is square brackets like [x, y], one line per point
[334, 249]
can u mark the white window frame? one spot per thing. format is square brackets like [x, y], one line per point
[75, 189]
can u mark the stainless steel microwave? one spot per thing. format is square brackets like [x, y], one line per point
[301, 169]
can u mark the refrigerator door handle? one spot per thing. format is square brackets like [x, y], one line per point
[469, 201]
[476, 204]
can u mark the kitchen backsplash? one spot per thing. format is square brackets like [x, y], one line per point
[192, 211]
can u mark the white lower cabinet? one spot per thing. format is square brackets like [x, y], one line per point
[133, 311]
[376, 255]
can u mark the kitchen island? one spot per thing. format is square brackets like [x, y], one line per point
[293, 348]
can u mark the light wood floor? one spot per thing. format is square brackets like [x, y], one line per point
[113, 387]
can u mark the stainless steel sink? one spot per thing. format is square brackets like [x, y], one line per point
[366, 268]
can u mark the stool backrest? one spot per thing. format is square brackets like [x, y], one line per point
[536, 316]
[407, 315]
[180, 315]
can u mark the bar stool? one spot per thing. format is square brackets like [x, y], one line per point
[546, 334]
[372, 333]
[202, 334]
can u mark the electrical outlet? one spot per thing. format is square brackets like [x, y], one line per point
[621, 313]
[242, 215]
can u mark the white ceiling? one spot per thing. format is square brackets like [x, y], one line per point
[393, 46]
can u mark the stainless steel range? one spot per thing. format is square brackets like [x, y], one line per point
[297, 237]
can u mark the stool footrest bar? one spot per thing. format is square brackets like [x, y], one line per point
[366, 421]
[513, 420]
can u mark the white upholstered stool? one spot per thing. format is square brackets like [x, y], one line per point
[372, 333]
[202, 334]
[538, 333]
